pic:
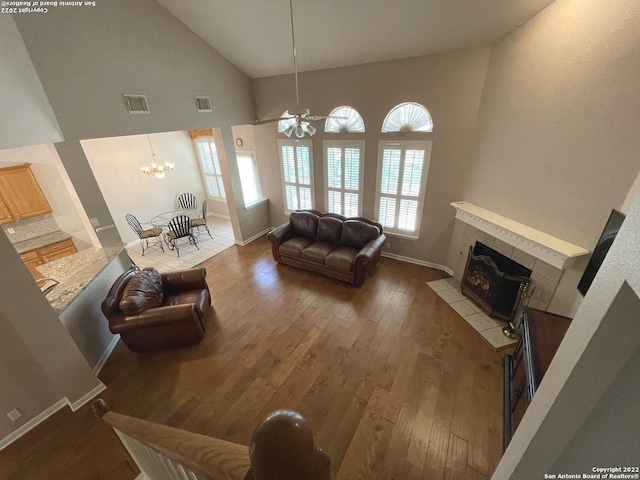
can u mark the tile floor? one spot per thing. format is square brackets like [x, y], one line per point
[168, 260]
[489, 328]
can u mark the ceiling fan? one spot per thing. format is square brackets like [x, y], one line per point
[301, 116]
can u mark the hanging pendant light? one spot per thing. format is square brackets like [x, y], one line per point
[159, 169]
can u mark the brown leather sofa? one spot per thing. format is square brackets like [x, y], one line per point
[343, 248]
[179, 302]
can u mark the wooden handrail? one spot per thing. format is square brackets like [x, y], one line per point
[282, 447]
[210, 458]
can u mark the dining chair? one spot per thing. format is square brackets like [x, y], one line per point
[187, 201]
[180, 227]
[144, 234]
[202, 221]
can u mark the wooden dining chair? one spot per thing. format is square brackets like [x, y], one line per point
[187, 201]
[144, 234]
[202, 221]
[180, 227]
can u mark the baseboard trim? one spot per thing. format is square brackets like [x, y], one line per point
[16, 434]
[255, 237]
[416, 261]
[142, 476]
[219, 215]
[106, 354]
[82, 401]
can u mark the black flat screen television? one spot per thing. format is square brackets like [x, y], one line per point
[602, 247]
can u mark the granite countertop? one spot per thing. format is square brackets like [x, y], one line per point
[75, 272]
[41, 241]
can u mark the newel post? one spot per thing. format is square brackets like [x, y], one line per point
[282, 448]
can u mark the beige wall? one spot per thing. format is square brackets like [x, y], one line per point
[575, 141]
[27, 117]
[87, 58]
[558, 144]
[40, 362]
[449, 86]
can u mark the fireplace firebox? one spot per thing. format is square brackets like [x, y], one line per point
[494, 282]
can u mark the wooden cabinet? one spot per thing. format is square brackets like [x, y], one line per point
[45, 254]
[20, 194]
[32, 260]
[57, 250]
[5, 214]
[541, 333]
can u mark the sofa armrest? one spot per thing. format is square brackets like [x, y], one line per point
[277, 237]
[156, 317]
[193, 279]
[367, 258]
[281, 234]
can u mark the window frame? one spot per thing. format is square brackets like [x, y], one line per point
[295, 142]
[360, 144]
[256, 177]
[219, 177]
[404, 144]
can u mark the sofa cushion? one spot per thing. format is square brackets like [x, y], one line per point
[143, 291]
[329, 230]
[318, 251]
[341, 259]
[294, 246]
[305, 224]
[356, 233]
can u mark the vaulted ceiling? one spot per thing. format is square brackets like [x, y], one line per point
[255, 35]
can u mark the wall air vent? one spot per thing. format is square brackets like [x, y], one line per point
[203, 104]
[136, 103]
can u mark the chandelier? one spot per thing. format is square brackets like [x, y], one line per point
[156, 168]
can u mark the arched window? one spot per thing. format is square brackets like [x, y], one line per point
[351, 123]
[408, 117]
[285, 123]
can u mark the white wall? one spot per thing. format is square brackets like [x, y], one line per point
[27, 117]
[115, 164]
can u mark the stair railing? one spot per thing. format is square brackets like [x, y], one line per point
[282, 447]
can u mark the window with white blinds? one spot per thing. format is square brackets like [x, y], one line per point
[343, 169]
[402, 177]
[249, 179]
[297, 174]
[210, 165]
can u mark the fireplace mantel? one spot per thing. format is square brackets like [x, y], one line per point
[549, 249]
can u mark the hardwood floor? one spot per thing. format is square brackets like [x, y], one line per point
[395, 384]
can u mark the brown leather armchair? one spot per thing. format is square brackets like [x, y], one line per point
[186, 301]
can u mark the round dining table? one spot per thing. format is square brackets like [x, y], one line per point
[163, 219]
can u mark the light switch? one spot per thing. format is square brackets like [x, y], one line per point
[11, 230]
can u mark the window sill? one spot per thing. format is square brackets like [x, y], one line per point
[400, 235]
[256, 203]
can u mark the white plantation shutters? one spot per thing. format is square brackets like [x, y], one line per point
[402, 176]
[343, 182]
[295, 159]
[210, 164]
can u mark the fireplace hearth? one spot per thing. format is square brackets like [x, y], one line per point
[494, 282]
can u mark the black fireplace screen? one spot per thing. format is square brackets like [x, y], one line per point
[494, 282]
